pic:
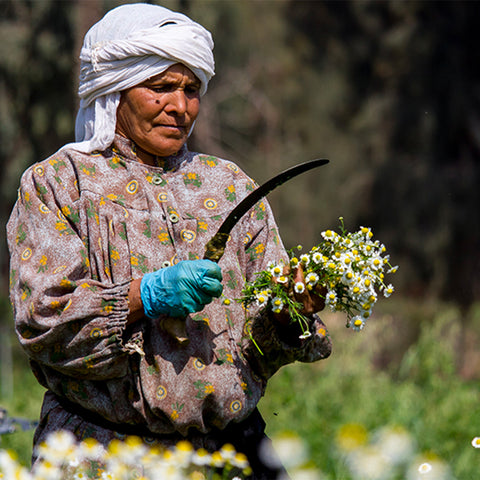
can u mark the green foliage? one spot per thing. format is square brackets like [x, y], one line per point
[423, 394]
[24, 402]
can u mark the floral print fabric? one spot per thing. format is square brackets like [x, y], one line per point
[83, 227]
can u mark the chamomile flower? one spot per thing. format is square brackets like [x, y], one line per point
[375, 262]
[317, 258]
[348, 277]
[311, 279]
[424, 468]
[276, 270]
[476, 442]
[305, 335]
[305, 259]
[262, 298]
[329, 235]
[331, 298]
[201, 457]
[357, 323]
[282, 279]
[388, 290]
[299, 287]
[277, 305]
[367, 232]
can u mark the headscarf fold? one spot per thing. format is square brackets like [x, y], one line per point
[130, 44]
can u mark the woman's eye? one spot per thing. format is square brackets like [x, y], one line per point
[160, 89]
[192, 89]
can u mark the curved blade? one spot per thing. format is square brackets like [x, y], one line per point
[216, 246]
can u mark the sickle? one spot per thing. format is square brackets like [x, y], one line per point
[216, 246]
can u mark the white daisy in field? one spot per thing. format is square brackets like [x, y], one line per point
[424, 468]
[317, 258]
[91, 449]
[59, 448]
[201, 457]
[476, 442]
[240, 461]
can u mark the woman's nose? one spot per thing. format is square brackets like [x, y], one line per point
[177, 102]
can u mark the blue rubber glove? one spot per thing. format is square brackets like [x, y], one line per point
[180, 289]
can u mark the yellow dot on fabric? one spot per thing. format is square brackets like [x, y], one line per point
[236, 406]
[39, 170]
[198, 364]
[60, 269]
[161, 392]
[232, 167]
[96, 332]
[188, 235]
[248, 238]
[67, 305]
[43, 208]
[132, 187]
[162, 197]
[210, 203]
[26, 254]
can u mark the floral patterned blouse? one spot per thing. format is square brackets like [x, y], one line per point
[83, 227]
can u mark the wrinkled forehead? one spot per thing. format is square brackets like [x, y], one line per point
[175, 73]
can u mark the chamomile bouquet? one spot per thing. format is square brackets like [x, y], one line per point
[350, 268]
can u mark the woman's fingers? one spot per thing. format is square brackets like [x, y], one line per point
[311, 300]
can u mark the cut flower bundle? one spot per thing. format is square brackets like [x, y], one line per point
[346, 269]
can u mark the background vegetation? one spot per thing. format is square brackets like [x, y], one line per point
[390, 92]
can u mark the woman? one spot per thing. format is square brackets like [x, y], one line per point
[106, 241]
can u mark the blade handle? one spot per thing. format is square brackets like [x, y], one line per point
[215, 248]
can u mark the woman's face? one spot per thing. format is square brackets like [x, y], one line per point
[158, 114]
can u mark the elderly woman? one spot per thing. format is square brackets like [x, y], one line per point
[107, 239]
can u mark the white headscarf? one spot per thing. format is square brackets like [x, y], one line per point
[130, 44]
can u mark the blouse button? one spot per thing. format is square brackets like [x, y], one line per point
[174, 217]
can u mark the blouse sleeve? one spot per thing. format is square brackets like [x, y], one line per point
[270, 345]
[65, 320]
